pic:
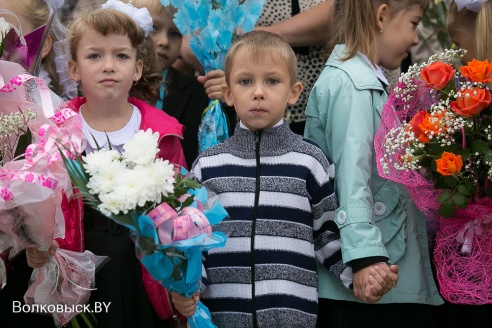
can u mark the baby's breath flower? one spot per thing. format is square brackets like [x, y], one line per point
[12, 127]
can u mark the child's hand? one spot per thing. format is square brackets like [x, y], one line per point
[382, 278]
[185, 306]
[364, 288]
[212, 83]
[36, 259]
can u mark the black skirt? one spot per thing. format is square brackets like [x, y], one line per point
[119, 281]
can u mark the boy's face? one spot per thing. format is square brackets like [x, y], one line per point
[167, 38]
[259, 89]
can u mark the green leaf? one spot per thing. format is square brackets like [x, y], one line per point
[451, 181]
[462, 189]
[146, 244]
[445, 195]
[447, 209]
[465, 154]
[470, 186]
[487, 157]
[460, 200]
[479, 146]
[24, 141]
[188, 201]
[124, 219]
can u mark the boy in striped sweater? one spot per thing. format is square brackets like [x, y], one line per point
[277, 188]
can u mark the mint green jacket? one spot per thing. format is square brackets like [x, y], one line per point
[376, 216]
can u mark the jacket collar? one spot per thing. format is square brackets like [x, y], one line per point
[152, 118]
[359, 71]
[274, 141]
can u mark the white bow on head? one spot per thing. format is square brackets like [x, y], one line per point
[140, 16]
[472, 5]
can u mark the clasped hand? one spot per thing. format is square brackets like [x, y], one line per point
[372, 282]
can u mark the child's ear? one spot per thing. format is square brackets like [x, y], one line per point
[227, 94]
[138, 70]
[73, 71]
[295, 92]
[46, 46]
[381, 14]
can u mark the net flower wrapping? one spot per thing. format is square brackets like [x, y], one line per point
[213, 25]
[32, 186]
[169, 215]
[435, 137]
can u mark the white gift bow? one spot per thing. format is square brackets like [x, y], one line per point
[466, 234]
[472, 5]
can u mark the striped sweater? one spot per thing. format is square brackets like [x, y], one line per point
[277, 189]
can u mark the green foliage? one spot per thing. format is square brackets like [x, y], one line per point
[436, 17]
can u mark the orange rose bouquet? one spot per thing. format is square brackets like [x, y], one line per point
[443, 132]
[435, 137]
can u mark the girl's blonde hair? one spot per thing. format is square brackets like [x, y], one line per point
[258, 44]
[466, 21]
[37, 13]
[109, 21]
[354, 23]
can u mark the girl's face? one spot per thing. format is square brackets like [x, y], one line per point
[462, 37]
[398, 36]
[167, 38]
[106, 66]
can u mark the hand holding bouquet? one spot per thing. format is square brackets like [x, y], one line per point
[435, 137]
[169, 215]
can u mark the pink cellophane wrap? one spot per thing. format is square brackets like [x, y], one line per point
[67, 279]
[394, 113]
[463, 255]
[463, 244]
[31, 192]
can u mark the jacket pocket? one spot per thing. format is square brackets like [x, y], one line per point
[390, 217]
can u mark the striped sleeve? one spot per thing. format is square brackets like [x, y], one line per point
[327, 243]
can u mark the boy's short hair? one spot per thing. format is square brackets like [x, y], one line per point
[258, 44]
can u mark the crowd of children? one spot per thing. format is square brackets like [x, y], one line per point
[316, 237]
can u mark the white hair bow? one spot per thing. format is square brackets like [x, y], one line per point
[472, 5]
[140, 16]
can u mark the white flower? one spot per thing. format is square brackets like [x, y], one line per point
[96, 161]
[142, 148]
[4, 27]
[105, 179]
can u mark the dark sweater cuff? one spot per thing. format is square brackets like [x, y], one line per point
[367, 261]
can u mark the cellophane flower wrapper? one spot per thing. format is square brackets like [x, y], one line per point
[212, 26]
[180, 238]
[169, 215]
[462, 241]
[32, 186]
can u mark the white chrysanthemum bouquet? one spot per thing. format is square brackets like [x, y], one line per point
[131, 181]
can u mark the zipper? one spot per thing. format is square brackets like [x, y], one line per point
[253, 225]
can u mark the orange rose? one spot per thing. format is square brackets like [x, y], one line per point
[471, 102]
[478, 71]
[431, 123]
[449, 164]
[415, 121]
[437, 75]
